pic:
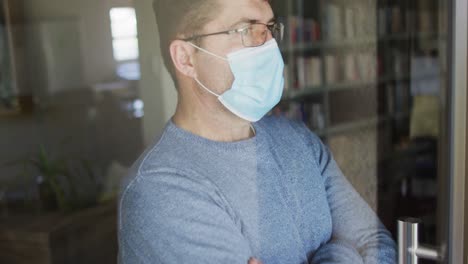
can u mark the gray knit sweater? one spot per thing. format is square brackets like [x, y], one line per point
[278, 196]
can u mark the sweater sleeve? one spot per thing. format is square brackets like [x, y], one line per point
[354, 223]
[168, 218]
[337, 251]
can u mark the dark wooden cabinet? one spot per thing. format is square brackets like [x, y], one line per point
[88, 236]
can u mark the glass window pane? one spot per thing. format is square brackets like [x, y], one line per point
[123, 30]
[370, 78]
[125, 49]
[129, 70]
[123, 14]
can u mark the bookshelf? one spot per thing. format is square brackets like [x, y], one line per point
[324, 55]
[354, 72]
[336, 46]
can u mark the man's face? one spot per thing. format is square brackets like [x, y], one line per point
[214, 72]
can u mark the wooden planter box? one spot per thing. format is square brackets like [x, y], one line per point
[88, 236]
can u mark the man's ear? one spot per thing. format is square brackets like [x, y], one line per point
[181, 54]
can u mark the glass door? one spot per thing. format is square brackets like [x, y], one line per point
[383, 83]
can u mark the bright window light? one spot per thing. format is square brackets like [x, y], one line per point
[125, 49]
[125, 41]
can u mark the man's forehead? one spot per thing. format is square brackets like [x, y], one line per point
[240, 11]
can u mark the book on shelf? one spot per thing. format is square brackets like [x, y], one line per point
[311, 31]
[301, 30]
[286, 78]
[396, 21]
[332, 24]
[393, 65]
[367, 67]
[382, 22]
[331, 69]
[312, 114]
[309, 72]
[350, 22]
[366, 21]
[390, 98]
[391, 20]
[315, 71]
[350, 68]
[397, 64]
[425, 21]
[401, 98]
[301, 72]
[338, 23]
[294, 26]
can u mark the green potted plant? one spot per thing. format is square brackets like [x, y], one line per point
[57, 181]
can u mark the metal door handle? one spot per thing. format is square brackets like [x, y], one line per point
[409, 250]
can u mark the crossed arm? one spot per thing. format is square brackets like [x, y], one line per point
[168, 218]
[358, 236]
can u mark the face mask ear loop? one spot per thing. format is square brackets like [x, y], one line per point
[204, 87]
[209, 52]
[253, 129]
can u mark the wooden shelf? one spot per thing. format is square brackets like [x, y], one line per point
[362, 42]
[296, 94]
[300, 93]
[349, 126]
[293, 94]
[335, 44]
[359, 124]
[407, 36]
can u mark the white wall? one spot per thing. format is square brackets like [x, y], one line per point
[96, 128]
[96, 38]
[156, 86]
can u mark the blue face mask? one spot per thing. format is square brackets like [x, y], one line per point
[258, 80]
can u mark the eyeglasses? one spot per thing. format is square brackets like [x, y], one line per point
[252, 35]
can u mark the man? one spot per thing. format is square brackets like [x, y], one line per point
[225, 183]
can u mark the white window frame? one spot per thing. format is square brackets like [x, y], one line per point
[125, 62]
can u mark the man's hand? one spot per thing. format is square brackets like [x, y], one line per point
[254, 261]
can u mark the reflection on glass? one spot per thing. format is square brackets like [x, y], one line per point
[125, 42]
[123, 29]
[123, 15]
[374, 71]
[129, 70]
[125, 49]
